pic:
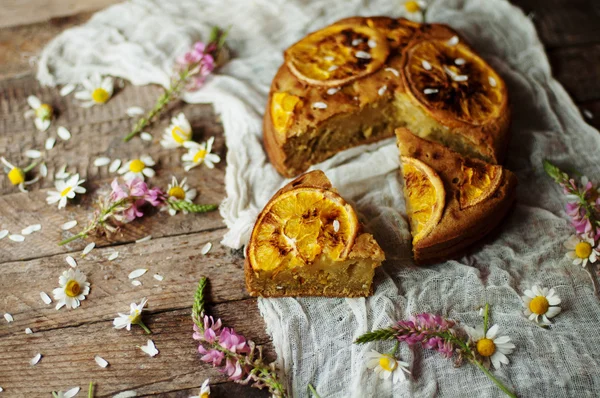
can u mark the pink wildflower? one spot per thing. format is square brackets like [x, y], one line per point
[233, 369]
[426, 329]
[234, 342]
[213, 356]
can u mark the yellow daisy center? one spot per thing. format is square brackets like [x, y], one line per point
[200, 155]
[16, 176]
[486, 347]
[539, 305]
[73, 288]
[388, 363]
[44, 111]
[205, 395]
[137, 166]
[65, 191]
[412, 6]
[583, 250]
[179, 135]
[177, 192]
[100, 95]
[135, 317]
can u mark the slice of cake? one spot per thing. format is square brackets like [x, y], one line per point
[307, 242]
[451, 200]
[355, 81]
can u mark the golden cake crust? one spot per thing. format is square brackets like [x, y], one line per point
[390, 82]
[364, 246]
[458, 228]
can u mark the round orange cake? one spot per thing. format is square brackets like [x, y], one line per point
[355, 81]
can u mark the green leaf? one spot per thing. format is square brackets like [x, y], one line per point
[376, 335]
[553, 171]
[198, 307]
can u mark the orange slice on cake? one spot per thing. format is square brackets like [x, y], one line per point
[479, 182]
[337, 54]
[425, 196]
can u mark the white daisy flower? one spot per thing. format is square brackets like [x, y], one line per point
[43, 113]
[413, 10]
[204, 390]
[198, 154]
[582, 250]
[68, 394]
[179, 191]
[96, 90]
[133, 318]
[386, 365]
[73, 289]
[138, 168]
[490, 345]
[65, 189]
[16, 175]
[178, 132]
[541, 302]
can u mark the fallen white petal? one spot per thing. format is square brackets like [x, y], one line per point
[146, 136]
[50, 141]
[16, 238]
[63, 133]
[45, 298]
[134, 111]
[460, 61]
[68, 225]
[101, 361]
[492, 81]
[72, 392]
[319, 105]
[71, 261]
[149, 348]
[31, 229]
[587, 113]
[114, 166]
[33, 154]
[1, 389]
[206, 248]
[44, 170]
[67, 89]
[28, 331]
[9, 318]
[393, 71]
[3, 233]
[382, 90]
[137, 273]
[428, 91]
[336, 225]
[158, 277]
[35, 359]
[113, 256]
[362, 55]
[144, 239]
[426, 65]
[126, 394]
[332, 90]
[88, 249]
[103, 161]
[136, 283]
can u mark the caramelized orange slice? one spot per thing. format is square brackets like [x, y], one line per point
[479, 182]
[447, 76]
[425, 197]
[300, 226]
[337, 54]
[283, 106]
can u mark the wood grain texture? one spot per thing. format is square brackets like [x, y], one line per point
[25, 12]
[69, 339]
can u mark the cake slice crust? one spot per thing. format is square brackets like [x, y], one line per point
[307, 242]
[460, 225]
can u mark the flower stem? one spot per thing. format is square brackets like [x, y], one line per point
[168, 96]
[30, 167]
[395, 349]
[313, 391]
[91, 390]
[494, 379]
[148, 331]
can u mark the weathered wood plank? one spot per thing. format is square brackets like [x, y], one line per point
[68, 354]
[178, 259]
[20, 44]
[577, 69]
[24, 12]
[564, 23]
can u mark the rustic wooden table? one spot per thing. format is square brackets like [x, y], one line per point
[69, 339]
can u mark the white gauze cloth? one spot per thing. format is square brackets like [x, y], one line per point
[138, 41]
